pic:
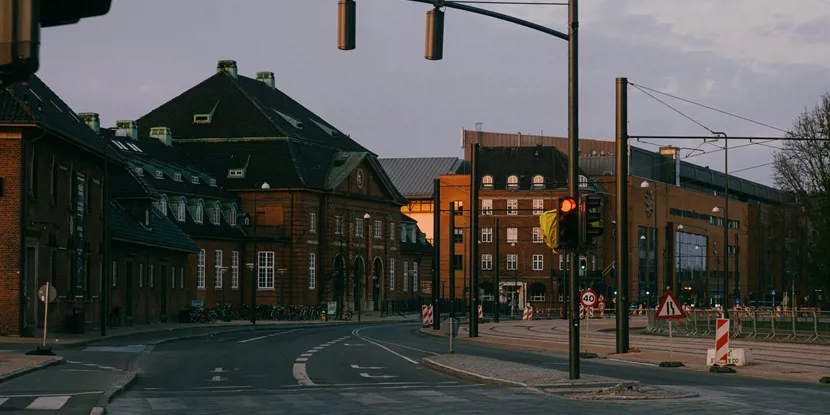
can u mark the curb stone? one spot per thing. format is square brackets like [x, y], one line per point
[475, 377]
[29, 369]
[107, 397]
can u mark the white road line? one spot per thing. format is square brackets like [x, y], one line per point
[366, 375]
[3, 400]
[407, 347]
[218, 370]
[48, 403]
[632, 362]
[301, 359]
[217, 378]
[319, 347]
[366, 367]
[269, 335]
[55, 394]
[312, 351]
[301, 375]
[356, 333]
[305, 355]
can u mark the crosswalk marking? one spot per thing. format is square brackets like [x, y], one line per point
[3, 400]
[48, 402]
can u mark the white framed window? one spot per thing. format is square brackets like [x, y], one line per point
[266, 270]
[563, 260]
[173, 277]
[513, 182]
[312, 269]
[140, 275]
[538, 182]
[511, 261]
[538, 206]
[391, 274]
[538, 262]
[235, 269]
[182, 210]
[537, 235]
[200, 213]
[537, 296]
[405, 276]
[151, 276]
[114, 273]
[181, 278]
[338, 225]
[512, 235]
[217, 214]
[232, 218]
[312, 223]
[392, 230]
[358, 227]
[486, 261]
[512, 207]
[217, 272]
[378, 230]
[415, 283]
[200, 270]
[163, 206]
[486, 235]
[487, 182]
[583, 181]
[487, 207]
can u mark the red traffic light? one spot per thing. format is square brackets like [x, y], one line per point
[566, 205]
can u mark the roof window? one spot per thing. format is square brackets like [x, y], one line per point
[205, 118]
[236, 173]
[291, 120]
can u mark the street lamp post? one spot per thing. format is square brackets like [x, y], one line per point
[725, 219]
[646, 185]
[255, 276]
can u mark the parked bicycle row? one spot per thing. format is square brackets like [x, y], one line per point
[230, 312]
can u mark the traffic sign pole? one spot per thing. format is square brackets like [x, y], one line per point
[669, 309]
[588, 300]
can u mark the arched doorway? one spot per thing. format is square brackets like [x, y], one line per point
[377, 277]
[359, 274]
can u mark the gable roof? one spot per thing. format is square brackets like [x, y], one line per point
[413, 177]
[162, 232]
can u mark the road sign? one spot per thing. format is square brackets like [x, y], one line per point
[588, 298]
[41, 293]
[669, 308]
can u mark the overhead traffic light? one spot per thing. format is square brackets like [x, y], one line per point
[434, 48]
[592, 226]
[583, 264]
[568, 226]
[64, 12]
[346, 22]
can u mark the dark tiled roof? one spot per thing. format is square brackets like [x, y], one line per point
[162, 232]
[413, 177]
[244, 108]
[525, 162]
[36, 103]
[207, 229]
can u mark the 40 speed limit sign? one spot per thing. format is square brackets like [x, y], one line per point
[588, 298]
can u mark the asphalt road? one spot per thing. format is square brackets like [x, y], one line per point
[373, 369]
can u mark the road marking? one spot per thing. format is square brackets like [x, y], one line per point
[218, 378]
[633, 363]
[3, 400]
[301, 375]
[366, 368]
[305, 355]
[356, 333]
[366, 375]
[302, 359]
[268, 335]
[407, 347]
[319, 347]
[218, 370]
[312, 351]
[55, 394]
[48, 403]
[353, 344]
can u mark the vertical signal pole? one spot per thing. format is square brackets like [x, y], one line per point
[452, 261]
[474, 265]
[573, 178]
[436, 254]
[497, 290]
[621, 308]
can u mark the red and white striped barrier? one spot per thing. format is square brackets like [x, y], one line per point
[581, 311]
[426, 314]
[480, 312]
[528, 313]
[722, 341]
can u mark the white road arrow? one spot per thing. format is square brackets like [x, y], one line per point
[366, 375]
[366, 368]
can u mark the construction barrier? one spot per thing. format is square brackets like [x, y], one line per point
[480, 312]
[426, 314]
[722, 341]
[528, 313]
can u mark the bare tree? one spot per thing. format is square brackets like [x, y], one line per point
[803, 167]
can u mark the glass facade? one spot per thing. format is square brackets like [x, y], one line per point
[646, 264]
[691, 267]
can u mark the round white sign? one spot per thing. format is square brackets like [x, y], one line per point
[588, 298]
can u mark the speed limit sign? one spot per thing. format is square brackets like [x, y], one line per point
[588, 298]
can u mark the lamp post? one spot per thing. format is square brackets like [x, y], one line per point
[255, 271]
[646, 185]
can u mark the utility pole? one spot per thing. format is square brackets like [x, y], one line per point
[474, 235]
[497, 289]
[573, 177]
[452, 261]
[436, 254]
[622, 215]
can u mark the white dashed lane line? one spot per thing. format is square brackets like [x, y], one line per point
[268, 335]
[299, 371]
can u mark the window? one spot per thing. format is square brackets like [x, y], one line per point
[405, 276]
[538, 206]
[537, 296]
[583, 181]
[538, 262]
[182, 209]
[391, 274]
[159, 174]
[511, 262]
[114, 273]
[338, 225]
[163, 206]
[217, 275]
[537, 235]
[235, 269]
[538, 182]
[181, 278]
[459, 207]
[403, 233]
[487, 261]
[378, 230]
[152, 276]
[415, 282]
[140, 275]
[564, 261]
[487, 207]
[194, 179]
[200, 270]
[217, 214]
[513, 182]
[512, 207]
[392, 230]
[266, 270]
[312, 268]
[486, 234]
[487, 182]
[139, 172]
[358, 227]
[312, 222]
[459, 236]
[232, 217]
[200, 212]
[173, 277]
[177, 177]
[512, 235]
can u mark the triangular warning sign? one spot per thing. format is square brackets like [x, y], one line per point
[669, 308]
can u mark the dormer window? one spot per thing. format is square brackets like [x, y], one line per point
[200, 213]
[159, 174]
[177, 177]
[583, 181]
[194, 179]
[236, 173]
[513, 182]
[213, 182]
[538, 181]
[487, 182]
[232, 217]
[163, 206]
[139, 171]
[217, 214]
[182, 210]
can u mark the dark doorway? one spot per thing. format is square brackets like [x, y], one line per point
[128, 292]
[163, 299]
[30, 288]
[359, 276]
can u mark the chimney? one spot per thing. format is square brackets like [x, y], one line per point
[129, 126]
[92, 120]
[228, 66]
[267, 77]
[672, 152]
[163, 134]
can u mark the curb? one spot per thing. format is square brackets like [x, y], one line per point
[107, 397]
[475, 377]
[26, 370]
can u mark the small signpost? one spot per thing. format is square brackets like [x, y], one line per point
[669, 309]
[46, 294]
[588, 298]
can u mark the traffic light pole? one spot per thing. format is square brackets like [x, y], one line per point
[573, 180]
[621, 308]
[474, 236]
[497, 290]
[451, 261]
[436, 255]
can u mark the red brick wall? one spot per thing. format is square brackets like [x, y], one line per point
[210, 294]
[10, 172]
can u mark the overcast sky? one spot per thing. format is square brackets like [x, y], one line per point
[763, 59]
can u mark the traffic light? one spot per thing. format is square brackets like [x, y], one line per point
[64, 12]
[568, 226]
[434, 48]
[583, 264]
[346, 22]
[592, 226]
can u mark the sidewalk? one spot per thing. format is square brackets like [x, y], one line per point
[13, 364]
[799, 362]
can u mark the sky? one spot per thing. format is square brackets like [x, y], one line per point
[766, 60]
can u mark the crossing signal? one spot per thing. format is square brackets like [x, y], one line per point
[568, 223]
[434, 48]
[346, 22]
[592, 226]
[583, 264]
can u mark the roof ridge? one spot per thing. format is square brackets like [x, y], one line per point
[253, 101]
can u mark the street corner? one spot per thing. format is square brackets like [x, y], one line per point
[628, 392]
[13, 365]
